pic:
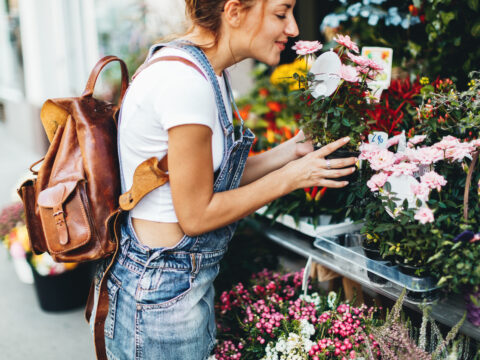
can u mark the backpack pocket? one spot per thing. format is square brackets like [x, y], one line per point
[65, 215]
[32, 221]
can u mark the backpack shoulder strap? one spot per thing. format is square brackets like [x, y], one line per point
[168, 58]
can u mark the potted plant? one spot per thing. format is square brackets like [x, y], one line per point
[334, 96]
[59, 286]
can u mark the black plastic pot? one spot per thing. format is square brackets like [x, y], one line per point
[419, 296]
[412, 270]
[373, 253]
[65, 291]
[341, 154]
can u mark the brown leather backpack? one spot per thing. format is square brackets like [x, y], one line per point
[72, 206]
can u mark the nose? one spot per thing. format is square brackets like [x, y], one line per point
[292, 28]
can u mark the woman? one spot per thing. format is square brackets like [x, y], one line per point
[160, 287]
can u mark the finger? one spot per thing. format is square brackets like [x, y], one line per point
[332, 183]
[338, 163]
[328, 149]
[333, 174]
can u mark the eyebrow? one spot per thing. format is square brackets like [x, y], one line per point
[288, 6]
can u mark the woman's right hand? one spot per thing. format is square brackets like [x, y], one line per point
[314, 170]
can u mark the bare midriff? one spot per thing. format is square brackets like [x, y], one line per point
[157, 234]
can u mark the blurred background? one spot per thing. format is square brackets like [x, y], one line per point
[48, 47]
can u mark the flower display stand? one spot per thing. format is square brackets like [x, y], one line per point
[306, 227]
[448, 310]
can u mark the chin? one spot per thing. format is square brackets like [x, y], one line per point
[271, 60]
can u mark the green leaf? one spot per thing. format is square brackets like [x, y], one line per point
[447, 17]
[346, 122]
[475, 31]
[473, 4]
[443, 280]
[435, 257]
[388, 187]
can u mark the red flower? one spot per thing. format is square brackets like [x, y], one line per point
[274, 106]
[388, 118]
[413, 10]
[263, 92]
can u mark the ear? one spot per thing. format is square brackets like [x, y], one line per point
[233, 12]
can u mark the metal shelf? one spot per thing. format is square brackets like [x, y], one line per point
[447, 311]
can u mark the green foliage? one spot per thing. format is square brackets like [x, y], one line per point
[431, 37]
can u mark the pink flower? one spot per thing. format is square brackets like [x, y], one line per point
[347, 42]
[399, 157]
[425, 155]
[421, 191]
[403, 168]
[377, 181]
[348, 73]
[17, 251]
[381, 160]
[460, 151]
[393, 141]
[303, 47]
[424, 215]
[475, 143]
[367, 150]
[374, 66]
[433, 180]
[359, 60]
[417, 139]
[447, 143]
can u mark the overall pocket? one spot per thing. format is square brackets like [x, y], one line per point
[163, 287]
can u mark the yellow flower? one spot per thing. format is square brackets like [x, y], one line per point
[424, 80]
[270, 136]
[284, 73]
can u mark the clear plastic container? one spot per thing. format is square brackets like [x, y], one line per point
[347, 250]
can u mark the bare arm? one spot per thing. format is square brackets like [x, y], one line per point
[200, 210]
[273, 159]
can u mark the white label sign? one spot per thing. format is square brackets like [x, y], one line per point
[379, 138]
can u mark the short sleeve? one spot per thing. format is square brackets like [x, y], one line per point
[186, 98]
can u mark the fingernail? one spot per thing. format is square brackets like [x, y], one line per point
[346, 139]
[346, 183]
[353, 170]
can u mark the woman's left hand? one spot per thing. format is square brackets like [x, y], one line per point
[302, 148]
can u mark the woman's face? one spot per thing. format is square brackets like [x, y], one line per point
[267, 29]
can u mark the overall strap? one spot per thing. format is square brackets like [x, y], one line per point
[199, 55]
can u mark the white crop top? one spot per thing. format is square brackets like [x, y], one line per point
[165, 95]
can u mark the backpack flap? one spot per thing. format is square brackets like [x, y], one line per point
[65, 216]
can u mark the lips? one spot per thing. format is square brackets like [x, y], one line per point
[281, 45]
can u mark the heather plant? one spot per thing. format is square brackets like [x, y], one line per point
[10, 216]
[396, 343]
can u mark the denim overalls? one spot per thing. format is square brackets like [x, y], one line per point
[161, 301]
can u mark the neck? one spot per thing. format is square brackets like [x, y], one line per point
[221, 56]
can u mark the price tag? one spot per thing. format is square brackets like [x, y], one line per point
[379, 138]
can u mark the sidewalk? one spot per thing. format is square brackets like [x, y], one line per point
[27, 332]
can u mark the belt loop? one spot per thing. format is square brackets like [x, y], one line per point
[195, 259]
